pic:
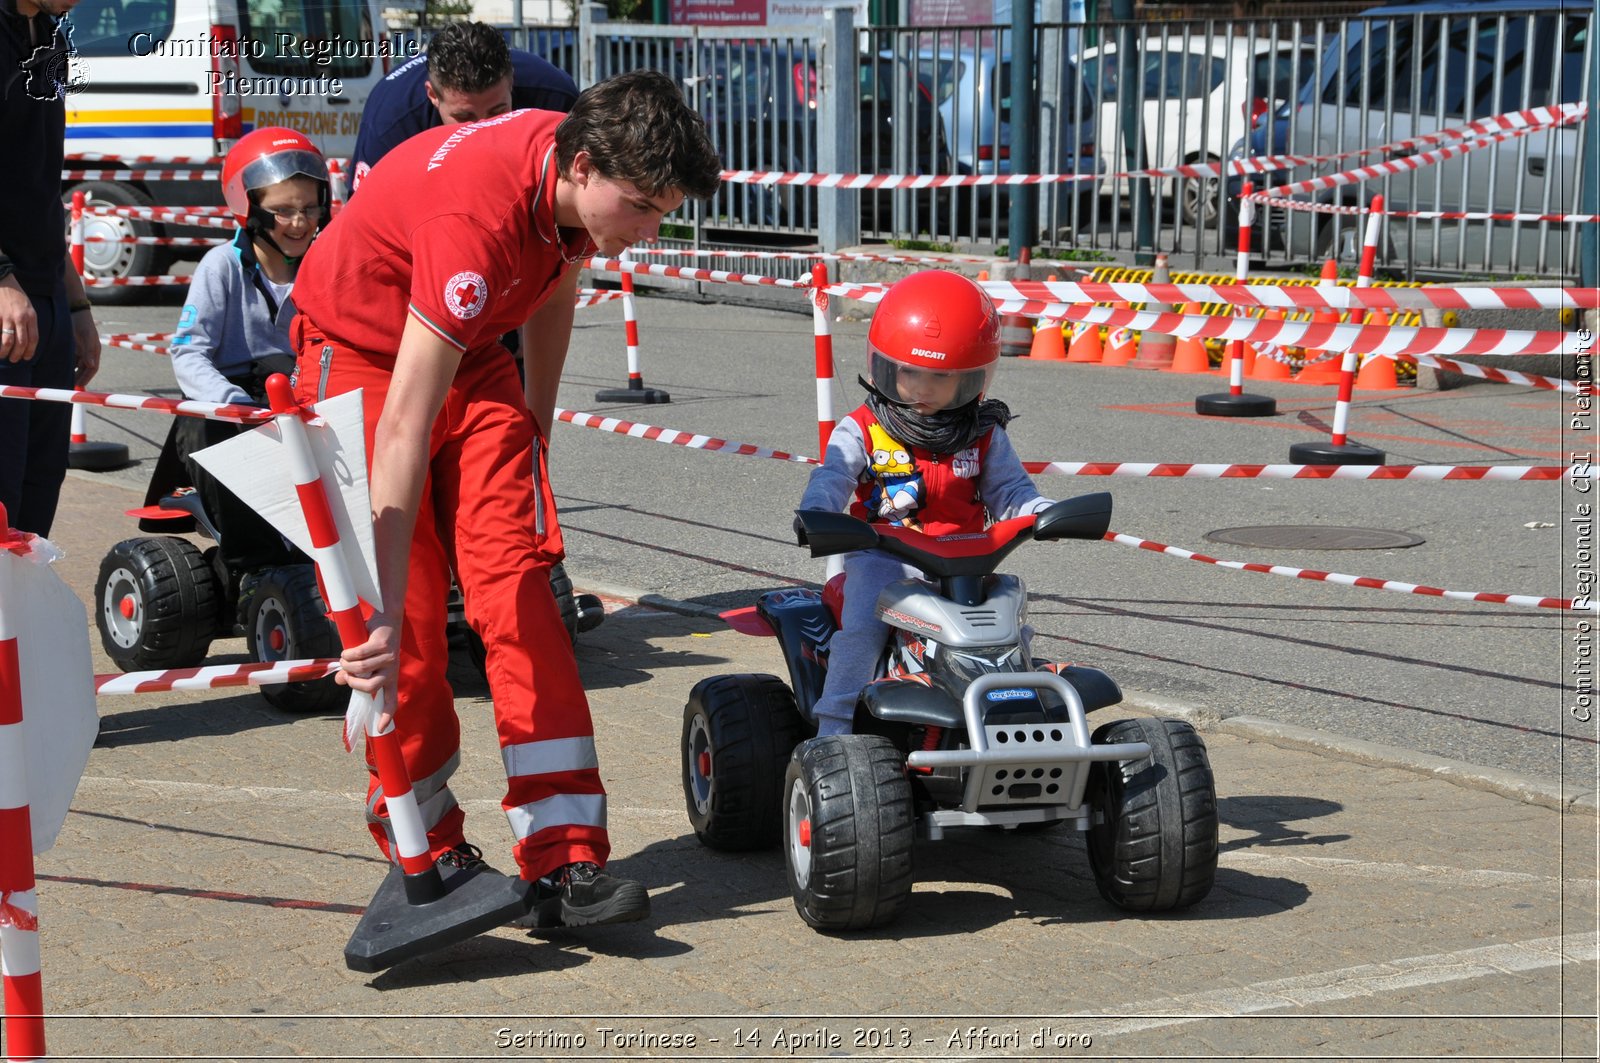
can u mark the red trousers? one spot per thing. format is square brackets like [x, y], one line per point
[485, 499]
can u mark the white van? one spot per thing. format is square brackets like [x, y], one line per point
[186, 78]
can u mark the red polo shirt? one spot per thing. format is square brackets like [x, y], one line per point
[456, 228]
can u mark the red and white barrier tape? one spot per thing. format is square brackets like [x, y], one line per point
[136, 337]
[159, 241]
[168, 160]
[181, 407]
[1317, 207]
[202, 217]
[1367, 338]
[134, 282]
[216, 677]
[1526, 600]
[1490, 131]
[692, 440]
[613, 265]
[596, 296]
[1159, 470]
[135, 345]
[187, 174]
[1496, 376]
[1454, 141]
[1297, 296]
[1200, 471]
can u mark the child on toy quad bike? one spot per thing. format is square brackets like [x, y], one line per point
[926, 451]
[234, 330]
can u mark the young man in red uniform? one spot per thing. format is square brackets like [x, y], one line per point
[461, 234]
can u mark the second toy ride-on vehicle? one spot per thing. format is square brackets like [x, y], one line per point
[962, 727]
[160, 602]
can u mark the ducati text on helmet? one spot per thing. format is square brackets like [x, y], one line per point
[265, 157]
[934, 324]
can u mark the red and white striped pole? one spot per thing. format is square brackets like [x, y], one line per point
[336, 188]
[1339, 450]
[1241, 271]
[82, 454]
[19, 903]
[635, 391]
[1234, 402]
[824, 355]
[78, 201]
[344, 609]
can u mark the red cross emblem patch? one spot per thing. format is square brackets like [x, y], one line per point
[466, 294]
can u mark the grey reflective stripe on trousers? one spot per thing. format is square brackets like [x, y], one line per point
[550, 755]
[434, 799]
[561, 810]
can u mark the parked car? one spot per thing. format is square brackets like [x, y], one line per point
[1409, 69]
[973, 88]
[1200, 93]
[760, 103]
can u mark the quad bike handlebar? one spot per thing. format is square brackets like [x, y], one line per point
[968, 554]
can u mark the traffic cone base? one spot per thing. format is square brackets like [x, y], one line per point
[1189, 357]
[1267, 368]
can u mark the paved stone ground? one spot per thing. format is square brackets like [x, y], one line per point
[215, 862]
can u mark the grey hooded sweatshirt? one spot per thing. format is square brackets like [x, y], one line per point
[231, 320]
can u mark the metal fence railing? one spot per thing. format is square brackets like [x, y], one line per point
[1116, 97]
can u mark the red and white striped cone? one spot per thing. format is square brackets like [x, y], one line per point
[635, 391]
[1338, 450]
[415, 911]
[1234, 402]
[19, 904]
[337, 192]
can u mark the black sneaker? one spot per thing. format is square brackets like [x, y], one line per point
[582, 895]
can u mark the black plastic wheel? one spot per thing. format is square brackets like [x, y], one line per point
[848, 832]
[108, 257]
[1153, 846]
[286, 620]
[156, 604]
[738, 732]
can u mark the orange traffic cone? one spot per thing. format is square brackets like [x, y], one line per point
[1189, 354]
[1120, 346]
[1377, 372]
[1085, 345]
[1047, 343]
[1267, 367]
[1327, 370]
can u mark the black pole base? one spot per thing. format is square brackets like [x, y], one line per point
[1325, 453]
[1226, 404]
[640, 394]
[393, 929]
[97, 456]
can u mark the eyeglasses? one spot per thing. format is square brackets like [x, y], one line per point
[285, 215]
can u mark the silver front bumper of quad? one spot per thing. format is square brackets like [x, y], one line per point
[1020, 773]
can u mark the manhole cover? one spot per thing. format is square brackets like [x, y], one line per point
[1314, 537]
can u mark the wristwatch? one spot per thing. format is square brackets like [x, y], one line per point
[7, 267]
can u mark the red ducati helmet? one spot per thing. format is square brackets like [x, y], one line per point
[265, 157]
[938, 322]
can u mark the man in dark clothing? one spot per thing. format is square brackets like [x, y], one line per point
[47, 333]
[467, 74]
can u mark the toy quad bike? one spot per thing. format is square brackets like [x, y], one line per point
[961, 728]
[161, 601]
